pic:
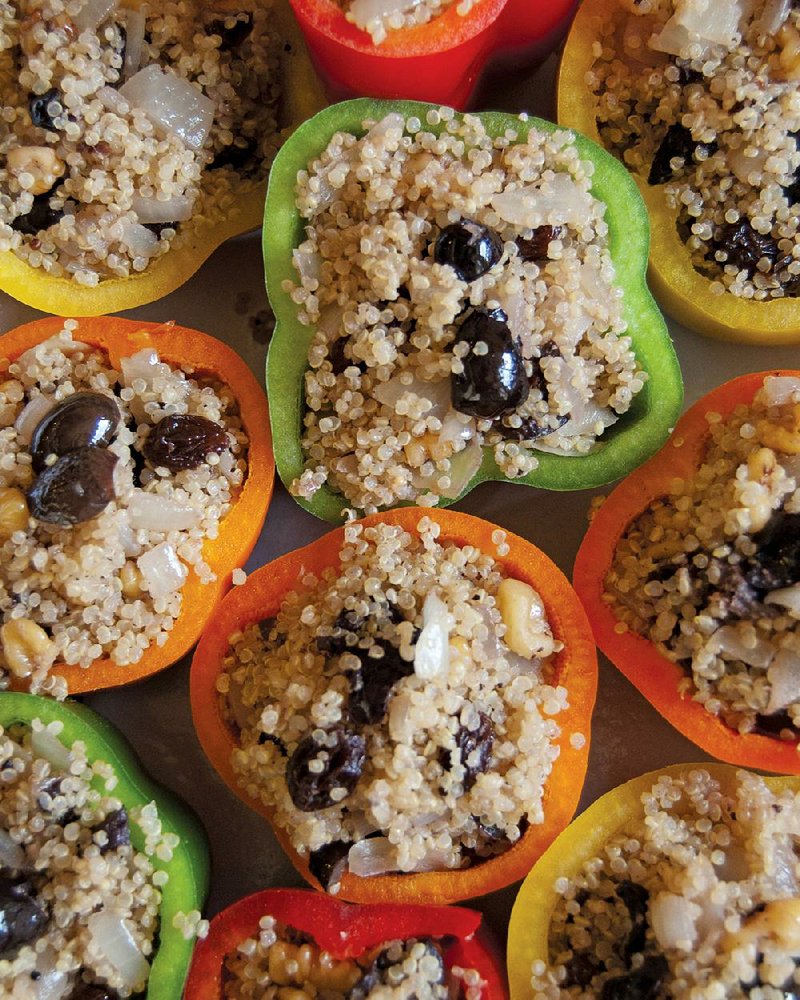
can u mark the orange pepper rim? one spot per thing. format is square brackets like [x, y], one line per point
[240, 528]
[655, 676]
[576, 670]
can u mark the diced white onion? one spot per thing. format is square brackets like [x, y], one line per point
[93, 13]
[675, 38]
[175, 209]
[139, 240]
[432, 651]
[374, 856]
[780, 389]
[112, 939]
[155, 513]
[786, 597]
[113, 101]
[438, 394]
[31, 416]
[330, 320]
[363, 11]
[463, 466]
[134, 42]
[162, 570]
[784, 678]
[401, 724]
[434, 861]
[45, 744]
[726, 642]
[553, 200]
[672, 919]
[772, 17]
[11, 854]
[307, 262]
[175, 104]
[711, 21]
[143, 364]
[51, 984]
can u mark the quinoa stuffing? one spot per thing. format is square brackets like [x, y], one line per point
[711, 572]
[126, 128]
[79, 904]
[462, 295]
[379, 17]
[397, 714]
[281, 958]
[110, 482]
[701, 96]
[697, 899]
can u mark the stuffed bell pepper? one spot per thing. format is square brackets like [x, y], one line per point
[408, 702]
[295, 939]
[679, 883]
[136, 473]
[690, 574]
[700, 101]
[103, 872]
[458, 298]
[135, 139]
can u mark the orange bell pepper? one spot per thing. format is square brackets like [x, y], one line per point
[656, 677]
[238, 531]
[683, 292]
[344, 931]
[575, 669]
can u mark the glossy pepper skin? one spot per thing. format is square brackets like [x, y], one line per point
[656, 677]
[583, 839]
[344, 931]
[683, 292]
[239, 530]
[639, 432]
[576, 670]
[189, 868]
[301, 97]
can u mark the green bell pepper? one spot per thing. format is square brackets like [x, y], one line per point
[189, 868]
[636, 436]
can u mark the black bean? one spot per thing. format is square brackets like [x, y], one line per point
[535, 248]
[83, 420]
[493, 381]
[22, 919]
[183, 440]
[78, 487]
[470, 248]
[342, 766]
[38, 109]
[642, 984]
[117, 830]
[327, 863]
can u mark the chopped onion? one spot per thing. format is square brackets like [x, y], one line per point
[176, 209]
[112, 101]
[134, 40]
[744, 167]
[672, 919]
[31, 416]
[674, 39]
[463, 466]
[786, 597]
[155, 513]
[552, 200]
[374, 856]
[93, 13]
[139, 240]
[307, 262]
[434, 861]
[772, 16]
[51, 984]
[780, 389]
[727, 643]
[173, 103]
[711, 21]
[163, 571]
[393, 122]
[432, 651]
[330, 321]
[143, 364]
[11, 854]
[363, 11]
[784, 678]
[781, 866]
[45, 744]
[438, 394]
[112, 939]
[736, 866]
[401, 725]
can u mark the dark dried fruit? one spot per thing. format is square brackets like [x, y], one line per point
[635, 897]
[776, 562]
[535, 248]
[743, 246]
[342, 764]
[371, 685]
[469, 248]
[677, 142]
[493, 381]
[93, 991]
[581, 969]
[473, 750]
[643, 984]
[117, 830]
[328, 863]
[774, 724]
[84, 420]
[78, 487]
[40, 217]
[233, 36]
[38, 109]
[183, 440]
[733, 596]
[22, 920]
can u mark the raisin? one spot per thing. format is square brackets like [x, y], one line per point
[76, 488]
[40, 217]
[743, 246]
[83, 420]
[471, 743]
[774, 724]
[93, 991]
[371, 685]
[643, 984]
[776, 562]
[342, 766]
[635, 897]
[117, 830]
[183, 440]
[494, 381]
[535, 249]
[470, 248]
[22, 919]
[37, 107]
[677, 142]
[327, 863]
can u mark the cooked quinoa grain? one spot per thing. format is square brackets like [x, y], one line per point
[110, 482]
[379, 17]
[80, 904]
[711, 572]
[462, 296]
[398, 713]
[702, 96]
[127, 130]
[697, 898]
[282, 958]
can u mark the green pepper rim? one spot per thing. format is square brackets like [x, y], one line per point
[189, 868]
[628, 443]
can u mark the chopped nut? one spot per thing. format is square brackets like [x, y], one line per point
[131, 578]
[26, 647]
[13, 511]
[39, 163]
[522, 611]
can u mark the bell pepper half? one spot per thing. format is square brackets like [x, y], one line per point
[656, 677]
[438, 61]
[576, 670]
[684, 293]
[583, 839]
[344, 931]
[188, 869]
[639, 432]
[301, 97]
[238, 531]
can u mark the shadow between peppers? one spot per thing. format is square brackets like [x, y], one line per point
[655, 676]
[635, 437]
[188, 870]
[576, 670]
[684, 293]
[238, 531]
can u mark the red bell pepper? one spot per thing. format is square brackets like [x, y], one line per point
[439, 61]
[345, 931]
